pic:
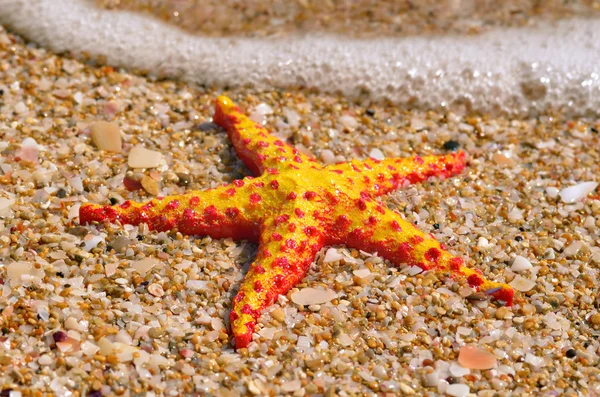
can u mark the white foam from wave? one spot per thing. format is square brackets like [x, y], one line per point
[517, 71]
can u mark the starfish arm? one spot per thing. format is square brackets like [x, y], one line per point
[283, 259]
[258, 149]
[226, 211]
[375, 228]
[377, 177]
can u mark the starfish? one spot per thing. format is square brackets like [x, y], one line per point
[293, 208]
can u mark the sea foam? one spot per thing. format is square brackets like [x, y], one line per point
[521, 71]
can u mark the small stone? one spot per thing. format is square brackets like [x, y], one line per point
[291, 386]
[131, 184]
[520, 263]
[528, 309]
[140, 157]
[106, 346]
[458, 371]
[150, 185]
[144, 265]
[120, 243]
[458, 390]
[20, 107]
[451, 145]
[502, 312]
[332, 255]
[278, 314]
[474, 357]
[534, 360]
[577, 192]
[406, 389]
[156, 332]
[595, 319]
[16, 270]
[348, 122]
[5, 204]
[503, 159]
[156, 290]
[313, 296]
[183, 179]
[376, 154]
[45, 359]
[522, 284]
[106, 136]
[571, 353]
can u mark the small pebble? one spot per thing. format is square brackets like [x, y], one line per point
[144, 265]
[451, 145]
[474, 357]
[522, 284]
[150, 185]
[577, 192]
[313, 296]
[106, 136]
[183, 179]
[156, 290]
[140, 157]
[520, 263]
[458, 390]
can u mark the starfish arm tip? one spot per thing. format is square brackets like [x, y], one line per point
[504, 293]
[89, 213]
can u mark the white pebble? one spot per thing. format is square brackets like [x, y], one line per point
[20, 108]
[5, 204]
[362, 272]
[291, 386]
[552, 192]
[522, 284]
[573, 248]
[577, 192]
[458, 390]
[482, 242]
[313, 296]
[156, 290]
[534, 360]
[332, 255]
[327, 156]
[348, 121]
[140, 157]
[45, 360]
[293, 119]
[144, 265]
[16, 270]
[520, 263]
[458, 370]
[376, 154]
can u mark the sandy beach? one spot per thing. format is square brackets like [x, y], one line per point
[111, 309]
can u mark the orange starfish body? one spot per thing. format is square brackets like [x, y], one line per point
[294, 208]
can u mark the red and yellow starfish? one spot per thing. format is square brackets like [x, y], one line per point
[295, 207]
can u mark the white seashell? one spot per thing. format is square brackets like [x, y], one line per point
[520, 263]
[313, 296]
[577, 192]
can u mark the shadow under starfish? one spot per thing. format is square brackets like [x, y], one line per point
[295, 207]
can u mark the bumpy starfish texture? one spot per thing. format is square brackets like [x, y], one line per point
[294, 208]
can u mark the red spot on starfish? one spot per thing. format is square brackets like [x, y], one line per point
[255, 198]
[310, 195]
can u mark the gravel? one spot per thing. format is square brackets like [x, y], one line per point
[83, 311]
